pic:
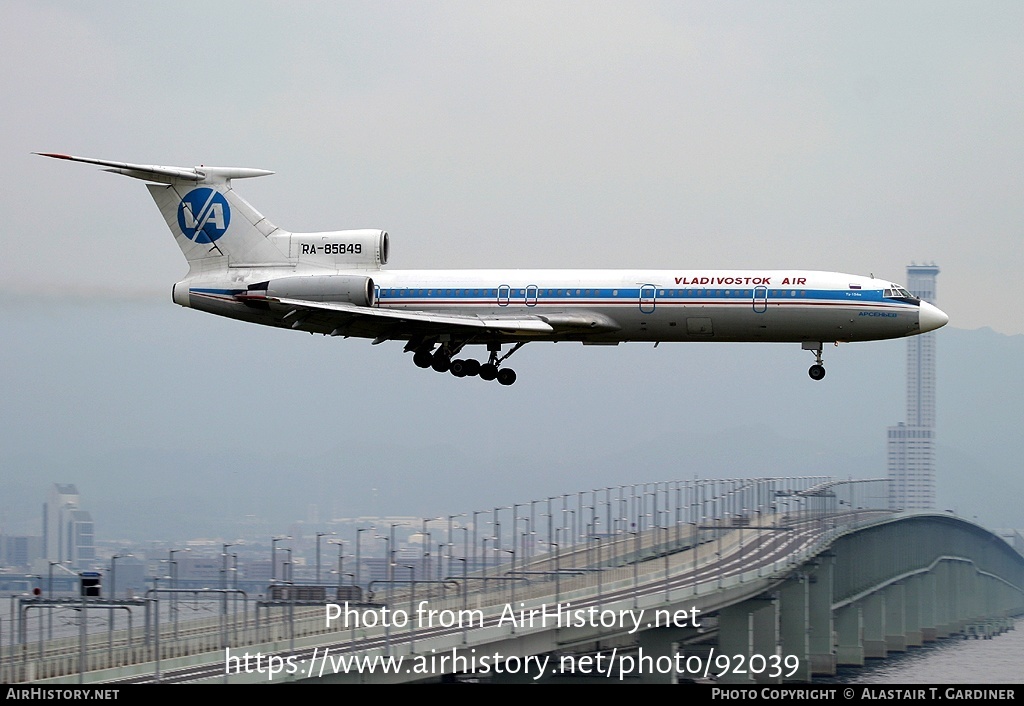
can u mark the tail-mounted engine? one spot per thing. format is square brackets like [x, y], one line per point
[341, 248]
[319, 288]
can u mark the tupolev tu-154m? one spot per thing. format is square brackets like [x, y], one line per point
[334, 283]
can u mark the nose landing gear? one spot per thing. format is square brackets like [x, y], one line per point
[816, 371]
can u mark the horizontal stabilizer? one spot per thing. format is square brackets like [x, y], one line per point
[166, 175]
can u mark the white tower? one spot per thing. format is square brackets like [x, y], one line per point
[911, 447]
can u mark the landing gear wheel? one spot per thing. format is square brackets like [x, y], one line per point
[472, 367]
[488, 371]
[817, 372]
[422, 359]
[506, 376]
[440, 362]
[458, 368]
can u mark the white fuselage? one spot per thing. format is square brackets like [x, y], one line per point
[636, 305]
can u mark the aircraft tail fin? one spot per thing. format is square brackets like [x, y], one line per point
[210, 222]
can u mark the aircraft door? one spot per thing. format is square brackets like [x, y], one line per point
[504, 293]
[648, 293]
[760, 299]
[531, 295]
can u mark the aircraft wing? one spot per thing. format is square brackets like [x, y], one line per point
[346, 319]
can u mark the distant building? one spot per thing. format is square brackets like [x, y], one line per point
[68, 531]
[911, 444]
[20, 551]
[205, 570]
[128, 578]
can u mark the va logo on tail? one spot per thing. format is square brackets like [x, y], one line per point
[203, 215]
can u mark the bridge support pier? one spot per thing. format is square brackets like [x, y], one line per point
[873, 615]
[821, 626]
[849, 636]
[748, 628]
[806, 621]
[927, 607]
[912, 611]
[950, 597]
[794, 624]
[895, 607]
[661, 642]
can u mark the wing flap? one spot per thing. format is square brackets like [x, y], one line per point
[392, 318]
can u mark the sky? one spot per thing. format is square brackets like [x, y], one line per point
[851, 137]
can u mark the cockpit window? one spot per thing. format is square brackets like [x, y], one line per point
[900, 293]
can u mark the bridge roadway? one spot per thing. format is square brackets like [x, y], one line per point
[786, 595]
[500, 627]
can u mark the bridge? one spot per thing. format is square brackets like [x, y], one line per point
[733, 581]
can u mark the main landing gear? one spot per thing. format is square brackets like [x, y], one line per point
[441, 361]
[816, 371]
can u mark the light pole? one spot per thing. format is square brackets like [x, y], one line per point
[391, 550]
[483, 552]
[475, 513]
[387, 569]
[273, 556]
[288, 571]
[558, 570]
[113, 574]
[425, 540]
[512, 572]
[224, 564]
[173, 566]
[450, 518]
[359, 531]
[524, 552]
[341, 559]
[49, 591]
[318, 536]
[572, 532]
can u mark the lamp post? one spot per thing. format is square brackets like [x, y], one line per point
[273, 556]
[525, 552]
[318, 536]
[572, 532]
[359, 531]
[288, 571]
[558, 570]
[475, 513]
[483, 552]
[391, 550]
[512, 597]
[173, 566]
[224, 564]
[387, 569]
[49, 591]
[450, 518]
[113, 574]
[341, 559]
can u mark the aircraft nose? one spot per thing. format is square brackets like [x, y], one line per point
[931, 317]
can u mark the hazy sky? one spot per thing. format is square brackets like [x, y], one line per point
[854, 137]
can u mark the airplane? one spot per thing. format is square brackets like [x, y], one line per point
[334, 283]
